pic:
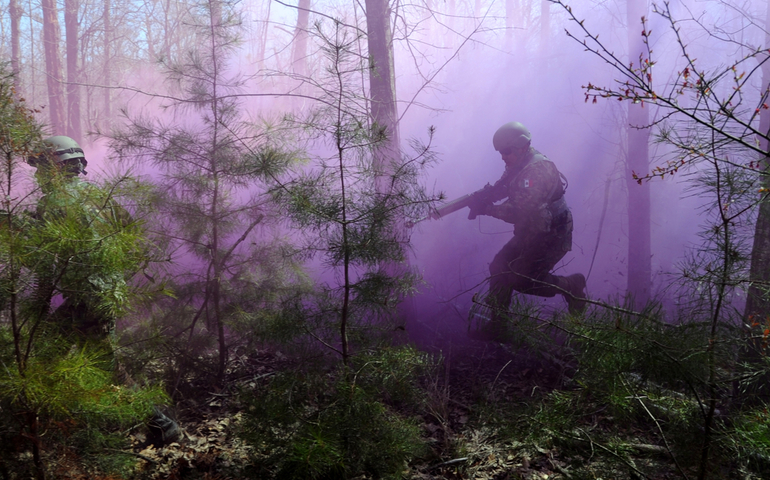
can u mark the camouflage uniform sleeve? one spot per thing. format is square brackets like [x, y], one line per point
[529, 195]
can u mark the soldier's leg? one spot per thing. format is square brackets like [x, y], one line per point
[535, 277]
[571, 287]
[502, 278]
[88, 327]
[531, 270]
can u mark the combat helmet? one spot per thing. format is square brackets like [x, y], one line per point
[511, 137]
[61, 150]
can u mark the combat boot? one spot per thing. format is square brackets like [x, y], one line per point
[163, 429]
[575, 285]
[485, 322]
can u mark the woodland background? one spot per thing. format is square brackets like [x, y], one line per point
[273, 155]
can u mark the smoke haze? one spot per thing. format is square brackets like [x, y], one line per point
[467, 72]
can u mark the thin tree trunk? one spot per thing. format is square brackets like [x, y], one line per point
[639, 249]
[449, 41]
[167, 31]
[73, 89]
[382, 84]
[32, 65]
[382, 79]
[53, 66]
[509, 14]
[345, 312]
[545, 25]
[758, 299]
[299, 50]
[14, 11]
[711, 359]
[106, 110]
[32, 423]
[215, 12]
[263, 41]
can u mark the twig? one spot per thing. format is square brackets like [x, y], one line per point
[449, 462]
[649, 448]
[498, 374]
[559, 469]
[611, 452]
[459, 404]
[667, 449]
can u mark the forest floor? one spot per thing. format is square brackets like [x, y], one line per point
[478, 423]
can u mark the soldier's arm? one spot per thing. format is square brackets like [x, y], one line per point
[527, 203]
[505, 212]
[501, 190]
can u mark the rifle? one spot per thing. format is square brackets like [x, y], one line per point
[475, 200]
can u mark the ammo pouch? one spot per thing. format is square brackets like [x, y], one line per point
[558, 209]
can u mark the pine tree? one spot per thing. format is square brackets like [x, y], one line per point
[352, 203]
[61, 245]
[210, 197]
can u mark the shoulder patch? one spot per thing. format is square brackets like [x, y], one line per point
[526, 183]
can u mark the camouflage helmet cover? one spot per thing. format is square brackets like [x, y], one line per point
[513, 136]
[62, 150]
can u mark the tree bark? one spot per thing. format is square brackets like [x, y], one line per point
[167, 31]
[106, 108]
[14, 11]
[299, 50]
[382, 79]
[71, 8]
[262, 52]
[757, 307]
[53, 66]
[758, 300]
[639, 249]
[382, 84]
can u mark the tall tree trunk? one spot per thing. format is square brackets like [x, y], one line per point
[53, 66]
[758, 297]
[639, 250]
[14, 11]
[382, 78]
[32, 67]
[430, 18]
[263, 41]
[216, 19]
[382, 83]
[758, 300]
[167, 33]
[545, 25]
[73, 89]
[299, 50]
[510, 10]
[106, 109]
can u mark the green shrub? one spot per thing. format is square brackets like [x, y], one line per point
[749, 440]
[78, 405]
[340, 424]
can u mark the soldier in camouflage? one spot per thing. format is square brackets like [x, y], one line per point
[535, 205]
[81, 316]
[58, 168]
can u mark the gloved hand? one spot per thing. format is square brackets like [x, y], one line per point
[478, 210]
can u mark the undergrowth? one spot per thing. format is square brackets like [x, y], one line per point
[340, 423]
